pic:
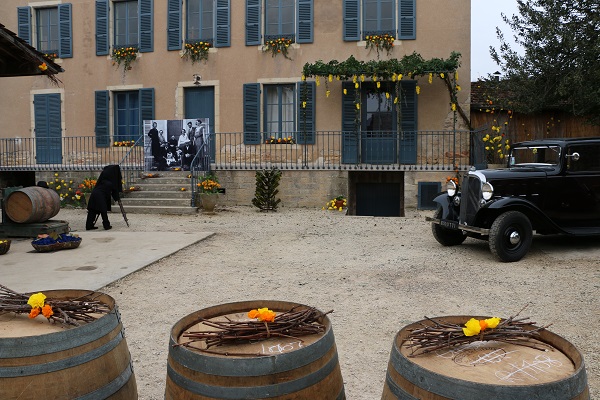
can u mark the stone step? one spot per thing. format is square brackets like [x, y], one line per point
[156, 202]
[164, 209]
[156, 193]
[163, 181]
[167, 187]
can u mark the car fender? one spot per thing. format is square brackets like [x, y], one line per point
[537, 217]
[449, 210]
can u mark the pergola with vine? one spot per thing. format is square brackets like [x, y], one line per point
[394, 70]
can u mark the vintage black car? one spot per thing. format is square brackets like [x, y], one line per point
[549, 186]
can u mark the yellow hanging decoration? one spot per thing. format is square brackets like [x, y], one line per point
[430, 77]
[453, 107]
[456, 75]
[418, 90]
[357, 106]
[327, 92]
[345, 91]
[362, 78]
[356, 85]
[442, 75]
[330, 78]
[354, 79]
[394, 77]
[399, 77]
[387, 95]
[378, 85]
[303, 77]
[318, 81]
[395, 100]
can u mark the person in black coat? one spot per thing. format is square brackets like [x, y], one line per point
[109, 184]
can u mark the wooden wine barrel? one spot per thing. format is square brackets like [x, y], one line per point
[286, 369]
[486, 369]
[32, 204]
[40, 360]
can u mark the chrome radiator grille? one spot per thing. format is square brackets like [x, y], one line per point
[470, 197]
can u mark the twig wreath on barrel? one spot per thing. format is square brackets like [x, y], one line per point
[441, 335]
[264, 324]
[68, 312]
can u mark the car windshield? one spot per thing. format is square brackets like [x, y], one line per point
[536, 154]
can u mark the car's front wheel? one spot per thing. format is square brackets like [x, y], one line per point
[444, 236]
[510, 236]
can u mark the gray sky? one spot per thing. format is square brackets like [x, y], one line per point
[485, 17]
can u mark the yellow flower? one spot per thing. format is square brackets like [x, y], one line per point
[357, 106]
[327, 93]
[330, 77]
[418, 90]
[387, 95]
[442, 75]
[453, 107]
[430, 77]
[43, 66]
[356, 85]
[354, 79]
[394, 77]
[492, 322]
[395, 100]
[317, 80]
[399, 77]
[472, 327]
[345, 91]
[37, 300]
[303, 104]
[303, 77]
[378, 85]
[56, 174]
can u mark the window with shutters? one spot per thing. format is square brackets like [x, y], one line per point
[126, 23]
[47, 28]
[363, 18]
[126, 116]
[200, 20]
[268, 20]
[280, 111]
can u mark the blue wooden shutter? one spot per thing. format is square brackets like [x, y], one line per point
[251, 113]
[306, 115]
[351, 20]
[146, 25]
[146, 107]
[48, 128]
[408, 131]
[350, 132]
[174, 25]
[101, 27]
[304, 22]
[101, 124]
[252, 22]
[65, 38]
[223, 24]
[24, 22]
[407, 19]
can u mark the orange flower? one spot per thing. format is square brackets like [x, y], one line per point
[483, 324]
[253, 314]
[34, 312]
[47, 311]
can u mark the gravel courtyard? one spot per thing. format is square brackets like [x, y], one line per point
[377, 274]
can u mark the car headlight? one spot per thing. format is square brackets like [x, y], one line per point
[451, 188]
[487, 191]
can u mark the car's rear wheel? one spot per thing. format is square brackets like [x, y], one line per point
[446, 237]
[510, 236]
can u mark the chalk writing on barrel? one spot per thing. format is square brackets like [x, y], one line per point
[528, 370]
[281, 348]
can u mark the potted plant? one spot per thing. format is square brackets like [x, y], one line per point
[86, 188]
[208, 193]
[337, 203]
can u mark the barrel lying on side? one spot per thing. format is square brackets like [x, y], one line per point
[32, 204]
[91, 361]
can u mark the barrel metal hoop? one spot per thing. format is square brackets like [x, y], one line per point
[30, 346]
[397, 390]
[258, 365]
[59, 365]
[112, 387]
[256, 392]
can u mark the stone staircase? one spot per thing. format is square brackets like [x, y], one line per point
[161, 195]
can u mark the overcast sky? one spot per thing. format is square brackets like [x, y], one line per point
[485, 17]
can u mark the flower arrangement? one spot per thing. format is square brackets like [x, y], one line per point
[209, 184]
[453, 179]
[125, 55]
[87, 185]
[124, 143]
[51, 56]
[69, 192]
[67, 312]
[438, 335]
[286, 140]
[496, 147]
[337, 203]
[278, 46]
[133, 189]
[380, 42]
[196, 51]
[265, 324]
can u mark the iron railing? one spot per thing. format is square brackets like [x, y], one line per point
[330, 150]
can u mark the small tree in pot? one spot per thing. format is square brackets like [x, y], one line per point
[267, 182]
